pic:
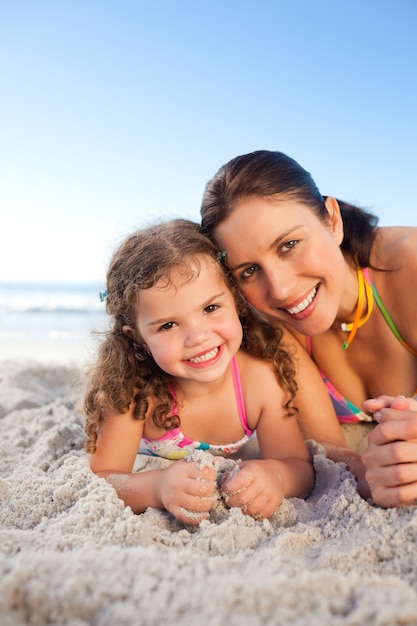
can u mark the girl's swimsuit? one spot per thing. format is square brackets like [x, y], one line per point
[174, 445]
[345, 410]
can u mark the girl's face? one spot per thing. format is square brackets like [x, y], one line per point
[286, 261]
[192, 329]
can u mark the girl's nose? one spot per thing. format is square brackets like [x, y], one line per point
[196, 334]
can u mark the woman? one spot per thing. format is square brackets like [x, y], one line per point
[345, 289]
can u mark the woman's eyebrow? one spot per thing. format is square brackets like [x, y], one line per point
[281, 237]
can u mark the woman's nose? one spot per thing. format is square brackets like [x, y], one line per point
[279, 283]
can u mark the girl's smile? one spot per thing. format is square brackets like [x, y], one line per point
[206, 358]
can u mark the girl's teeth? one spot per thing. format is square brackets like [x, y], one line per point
[304, 304]
[205, 357]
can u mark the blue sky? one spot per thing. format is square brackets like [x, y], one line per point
[116, 113]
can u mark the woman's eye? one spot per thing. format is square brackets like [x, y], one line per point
[288, 245]
[248, 272]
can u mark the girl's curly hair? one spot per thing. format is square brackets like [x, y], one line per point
[124, 372]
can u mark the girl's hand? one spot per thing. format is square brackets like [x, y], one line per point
[187, 492]
[256, 488]
[391, 456]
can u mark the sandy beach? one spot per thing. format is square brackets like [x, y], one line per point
[72, 554]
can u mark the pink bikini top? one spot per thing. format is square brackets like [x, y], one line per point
[174, 445]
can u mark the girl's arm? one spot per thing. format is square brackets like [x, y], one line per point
[184, 490]
[285, 469]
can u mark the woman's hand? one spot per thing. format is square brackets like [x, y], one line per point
[256, 488]
[391, 457]
[187, 492]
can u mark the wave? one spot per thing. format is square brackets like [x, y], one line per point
[58, 299]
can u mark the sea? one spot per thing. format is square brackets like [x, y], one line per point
[42, 320]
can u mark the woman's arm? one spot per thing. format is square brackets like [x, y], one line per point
[317, 416]
[391, 456]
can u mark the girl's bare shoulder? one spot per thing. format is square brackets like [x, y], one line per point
[256, 374]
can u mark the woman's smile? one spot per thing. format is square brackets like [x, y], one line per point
[304, 305]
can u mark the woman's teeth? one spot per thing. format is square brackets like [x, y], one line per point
[304, 304]
[205, 357]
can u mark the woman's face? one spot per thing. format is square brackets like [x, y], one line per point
[286, 261]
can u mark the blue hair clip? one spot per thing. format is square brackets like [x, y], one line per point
[221, 255]
[103, 295]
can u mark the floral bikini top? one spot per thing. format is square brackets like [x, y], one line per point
[175, 445]
[347, 412]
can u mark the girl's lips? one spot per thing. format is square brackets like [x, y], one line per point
[303, 308]
[206, 358]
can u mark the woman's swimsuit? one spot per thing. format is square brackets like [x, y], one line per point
[345, 410]
[174, 445]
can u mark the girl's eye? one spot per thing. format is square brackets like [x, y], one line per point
[289, 245]
[211, 308]
[167, 326]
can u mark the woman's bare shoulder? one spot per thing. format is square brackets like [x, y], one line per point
[394, 244]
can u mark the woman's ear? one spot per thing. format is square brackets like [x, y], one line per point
[334, 218]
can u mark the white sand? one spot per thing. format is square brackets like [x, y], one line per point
[72, 554]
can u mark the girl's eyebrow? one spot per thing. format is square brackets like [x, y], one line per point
[273, 245]
[164, 320]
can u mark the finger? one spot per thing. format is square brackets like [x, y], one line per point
[401, 403]
[373, 404]
[237, 481]
[190, 518]
[243, 497]
[202, 473]
[394, 415]
[257, 505]
[391, 431]
[202, 488]
[392, 475]
[262, 509]
[395, 496]
[195, 503]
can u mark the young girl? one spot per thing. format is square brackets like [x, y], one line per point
[176, 373]
[345, 288]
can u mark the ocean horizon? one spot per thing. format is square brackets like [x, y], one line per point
[47, 320]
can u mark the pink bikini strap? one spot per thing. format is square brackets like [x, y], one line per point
[174, 406]
[239, 397]
[238, 393]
